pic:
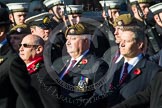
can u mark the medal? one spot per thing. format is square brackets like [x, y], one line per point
[82, 84]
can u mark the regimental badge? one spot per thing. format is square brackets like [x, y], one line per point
[82, 84]
[1, 60]
[120, 23]
[72, 31]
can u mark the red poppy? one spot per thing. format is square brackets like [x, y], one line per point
[84, 61]
[137, 71]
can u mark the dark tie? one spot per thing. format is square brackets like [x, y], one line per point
[68, 68]
[125, 73]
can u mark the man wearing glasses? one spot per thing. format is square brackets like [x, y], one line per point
[31, 52]
[15, 88]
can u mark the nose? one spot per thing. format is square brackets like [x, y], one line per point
[116, 31]
[21, 48]
[146, 10]
[122, 44]
[67, 42]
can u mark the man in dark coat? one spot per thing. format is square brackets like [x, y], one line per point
[150, 96]
[16, 91]
[124, 81]
[31, 51]
[82, 69]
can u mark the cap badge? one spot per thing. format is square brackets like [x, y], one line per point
[120, 23]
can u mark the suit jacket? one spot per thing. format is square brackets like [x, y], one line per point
[92, 71]
[110, 54]
[15, 88]
[135, 82]
[151, 95]
[157, 58]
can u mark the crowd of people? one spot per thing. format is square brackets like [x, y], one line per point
[53, 56]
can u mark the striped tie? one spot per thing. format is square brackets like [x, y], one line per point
[68, 68]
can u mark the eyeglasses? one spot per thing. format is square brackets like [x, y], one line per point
[27, 45]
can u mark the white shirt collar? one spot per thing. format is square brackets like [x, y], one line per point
[80, 57]
[133, 61]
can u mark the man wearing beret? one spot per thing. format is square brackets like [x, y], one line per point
[81, 68]
[16, 91]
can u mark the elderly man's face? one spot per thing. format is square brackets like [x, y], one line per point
[28, 52]
[76, 45]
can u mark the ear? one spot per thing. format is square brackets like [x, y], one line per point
[156, 18]
[39, 49]
[32, 30]
[11, 17]
[134, 9]
[141, 45]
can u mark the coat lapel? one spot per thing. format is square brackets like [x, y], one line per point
[138, 67]
[133, 74]
[82, 64]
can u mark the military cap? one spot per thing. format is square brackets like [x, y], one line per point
[74, 9]
[20, 29]
[123, 20]
[18, 7]
[157, 8]
[139, 1]
[50, 3]
[41, 20]
[111, 4]
[4, 15]
[37, 6]
[78, 29]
